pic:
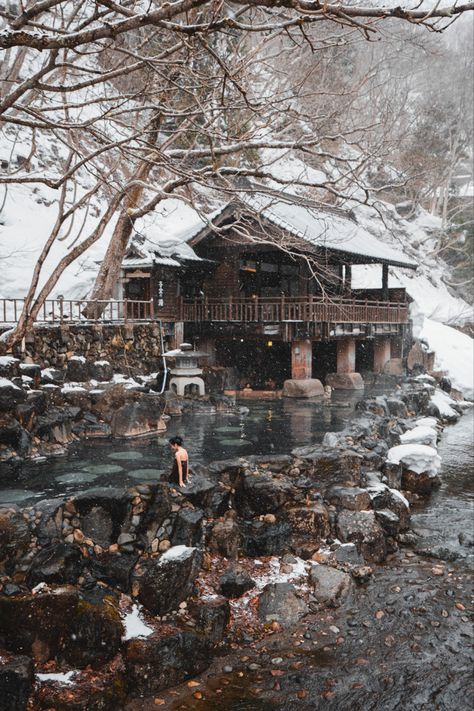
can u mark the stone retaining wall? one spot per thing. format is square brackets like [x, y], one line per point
[135, 346]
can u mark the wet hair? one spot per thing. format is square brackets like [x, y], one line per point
[176, 440]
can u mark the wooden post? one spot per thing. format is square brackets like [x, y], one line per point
[125, 310]
[385, 282]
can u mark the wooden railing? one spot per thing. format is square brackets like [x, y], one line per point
[307, 309]
[72, 311]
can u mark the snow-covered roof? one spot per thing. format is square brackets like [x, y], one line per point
[330, 230]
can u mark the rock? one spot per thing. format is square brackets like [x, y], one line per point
[16, 681]
[311, 520]
[103, 691]
[114, 569]
[362, 528]
[394, 366]
[100, 370]
[57, 563]
[331, 586]
[345, 381]
[164, 660]
[169, 579]
[97, 524]
[14, 535]
[45, 626]
[389, 521]
[76, 369]
[33, 371]
[138, 418]
[10, 395]
[266, 539]
[116, 506]
[397, 407]
[352, 498]
[423, 483]
[303, 388]
[225, 538]
[279, 602]
[262, 493]
[52, 376]
[348, 553]
[96, 637]
[235, 582]
[393, 474]
[9, 367]
[466, 539]
[200, 491]
[330, 467]
[211, 616]
[187, 529]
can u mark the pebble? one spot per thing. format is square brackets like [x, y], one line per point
[253, 666]
[437, 570]
[277, 660]
[228, 669]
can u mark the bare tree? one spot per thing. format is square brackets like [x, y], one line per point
[148, 100]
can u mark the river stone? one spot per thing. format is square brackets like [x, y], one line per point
[261, 538]
[138, 418]
[103, 469]
[187, 527]
[76, 478]
[331, 586]
[114, 569]
[279, 602]
[345, 381]
[38, 625]
[57, 563]
[262, 493]
[389, 521]
[348, 553]
[310, 387]
[346, 497]
[235, 582]
[169, 579]
[362, 528]
[97, 524]
[225, 538]
[311, 520]
[16, 681]
[211, 617]
[165, 659]
[417, 483]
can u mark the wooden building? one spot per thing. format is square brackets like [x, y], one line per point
[264, 285]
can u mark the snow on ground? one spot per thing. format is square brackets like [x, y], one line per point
[65, 678]
[176, 553]
[444, 404]
[134, 625]
[417, 458]
[454, 354]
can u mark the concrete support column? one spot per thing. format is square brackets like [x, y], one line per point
[301, 360]
[382, 353]
[346, 355]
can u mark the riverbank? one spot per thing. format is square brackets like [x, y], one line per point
[219, 568]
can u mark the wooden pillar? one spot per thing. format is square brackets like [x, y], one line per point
[385, 282]
[346, 353]
[382, 353]
[301, 360]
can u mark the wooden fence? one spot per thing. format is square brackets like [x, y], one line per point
[72, 311]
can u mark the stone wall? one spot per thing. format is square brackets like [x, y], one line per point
[127, 346]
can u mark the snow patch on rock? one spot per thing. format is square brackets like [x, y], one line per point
[418, 458]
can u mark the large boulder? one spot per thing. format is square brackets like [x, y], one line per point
[420, 466]
[114, 569]
[363, 529]
[169, 579]
[265, 538]
[312, 520]
[100, 370]
[279, 602]
[303, 388]
[261, 493]
[225, 538]
[353, 498]
[57, 563]
[138, 418]
[16, 681]
[165, 659]
[235, 582]
[187, 529]
[96, 634]
[14, 535]
[331, 586]
[9, 367]
[37, 625]
[345, 381]
[211, 617]
[329, 466]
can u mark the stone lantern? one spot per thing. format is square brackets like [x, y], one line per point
[186, 370]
